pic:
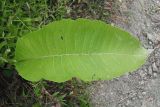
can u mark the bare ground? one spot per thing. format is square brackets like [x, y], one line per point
[140, 88]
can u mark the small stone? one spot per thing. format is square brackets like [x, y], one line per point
[158, 2]
[155, 74]
[141, 82]
[154, 67]
[128, 102]
[150, 51]
[150, 42]
[144, 93]
[151, 37]
[142, 73]
[150, 70]
[150, 99]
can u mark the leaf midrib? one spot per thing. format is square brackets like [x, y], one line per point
[80, 54]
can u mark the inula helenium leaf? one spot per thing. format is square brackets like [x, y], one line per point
[82, 48]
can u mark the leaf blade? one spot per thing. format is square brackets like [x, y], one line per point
[89, 50]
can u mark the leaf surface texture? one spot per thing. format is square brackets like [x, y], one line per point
[82, 48]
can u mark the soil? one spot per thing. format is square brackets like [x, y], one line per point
[140, 88]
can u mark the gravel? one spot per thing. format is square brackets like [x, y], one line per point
[140, 88]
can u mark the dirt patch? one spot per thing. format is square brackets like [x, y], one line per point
[142, 87]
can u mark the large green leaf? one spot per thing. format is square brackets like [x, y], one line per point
[82, 48]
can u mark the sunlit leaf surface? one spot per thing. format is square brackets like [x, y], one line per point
[82, 48]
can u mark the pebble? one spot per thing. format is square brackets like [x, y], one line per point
[150, 43]
[155, 74]
[144, 93]
[151, 37]
[154, 67]
[150, 70]
[141, 82]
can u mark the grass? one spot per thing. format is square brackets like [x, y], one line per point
[18, 17]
